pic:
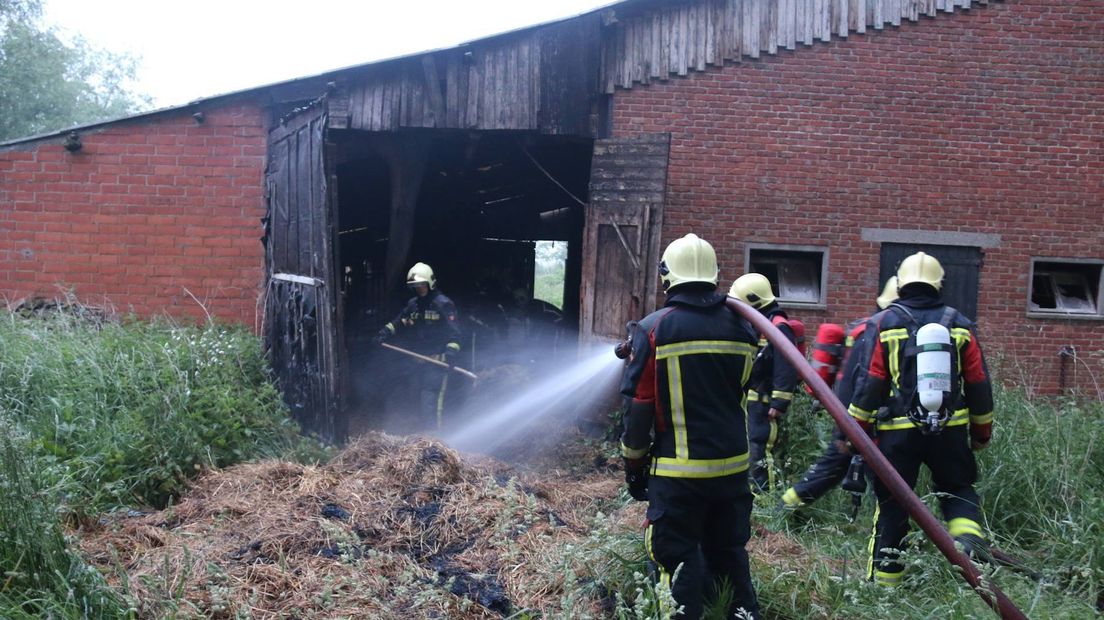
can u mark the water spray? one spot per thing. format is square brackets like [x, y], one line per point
[560, 393]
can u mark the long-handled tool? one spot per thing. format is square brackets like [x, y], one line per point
[429, 360]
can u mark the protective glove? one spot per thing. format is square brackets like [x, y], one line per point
[449, 356]
[636, 476]
[381, 335]
[774, 414]
[980, 434]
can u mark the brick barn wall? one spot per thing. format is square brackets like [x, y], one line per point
[145, 213]
[986, 121]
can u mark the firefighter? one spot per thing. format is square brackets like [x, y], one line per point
[830, 469]
[684, 386]
[773, 381]
[428, 325]
[939, 407]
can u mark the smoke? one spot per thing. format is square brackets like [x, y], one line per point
[540, 407]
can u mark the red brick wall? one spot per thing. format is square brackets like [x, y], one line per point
[987, 121]
[145, 213]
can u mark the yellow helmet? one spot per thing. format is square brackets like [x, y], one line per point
[688, 259]
[421, 273]
[753, 289]
[921, 268]
[889, 293]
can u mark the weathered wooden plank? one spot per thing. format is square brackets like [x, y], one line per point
[787, 27]
[769, 26]
[750, 42]
[682, 29]
[843, 26]
[700, 15]
[434, 97]
[731, 30]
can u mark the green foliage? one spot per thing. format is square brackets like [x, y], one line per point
[123, 414]
[41, 577]
[548, 279]
[47, 84]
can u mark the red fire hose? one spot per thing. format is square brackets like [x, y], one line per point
[878, 463]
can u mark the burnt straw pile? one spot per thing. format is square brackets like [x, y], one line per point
[391, 528]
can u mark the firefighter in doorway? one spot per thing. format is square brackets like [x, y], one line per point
[773, 381]
[428, 325]
[922, 361]
[685, 441]
[839, 368]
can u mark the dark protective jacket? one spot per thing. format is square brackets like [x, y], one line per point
[773, 379]
[685, 383]
[428, 324]
[849, 366]
[883, 365]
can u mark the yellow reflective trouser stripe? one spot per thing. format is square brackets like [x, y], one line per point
[664, 576]
[983, 418]
[720, 347]
[678, 408]
[959, 418]
[873, 541]
[772, 439]
[755, 397]
[699, 468]
[962, 525]
[441, 401]
[633, 453]
[782, 395]
[861, 414]
[883, 578]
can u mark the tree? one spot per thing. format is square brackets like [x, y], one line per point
[47, 85]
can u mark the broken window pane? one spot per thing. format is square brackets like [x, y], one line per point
[1065, 288]
[794, 274]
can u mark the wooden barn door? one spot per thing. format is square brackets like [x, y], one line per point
[961, 271]
[628, 182]
[301, 327]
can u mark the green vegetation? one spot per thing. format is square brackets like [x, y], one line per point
[47, 84]
[548, 278]
[124, 414]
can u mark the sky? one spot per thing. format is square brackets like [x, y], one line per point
[200, 48]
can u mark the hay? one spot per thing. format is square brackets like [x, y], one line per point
[391, 528]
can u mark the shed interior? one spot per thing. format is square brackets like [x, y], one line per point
[474, 205]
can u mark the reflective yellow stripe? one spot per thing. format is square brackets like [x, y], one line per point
[391, 328]
[678, 407]
[782, 395]
[872, 542]
[699, 468]
[697, 347]
[984, 418]
[962, 525]
[441, 401]
[894, 340]
[959, 418]
[859, 413]
[664, 576]
[452, 346]
[883, 578]
[633, 453]
[772, 439]
[754, 396]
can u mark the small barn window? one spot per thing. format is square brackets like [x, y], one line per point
[1065, 287]
[797, 273]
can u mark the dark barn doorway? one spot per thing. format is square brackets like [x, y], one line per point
[499, 215]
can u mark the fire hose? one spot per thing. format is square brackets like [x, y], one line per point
[881, 467]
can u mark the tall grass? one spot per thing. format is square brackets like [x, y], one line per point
[125, 413]
[41, 577]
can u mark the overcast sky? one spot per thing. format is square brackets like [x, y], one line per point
[200, 48]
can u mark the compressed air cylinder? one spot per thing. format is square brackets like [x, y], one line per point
[933, 365]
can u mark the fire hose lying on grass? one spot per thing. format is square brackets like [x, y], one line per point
[881, 467]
